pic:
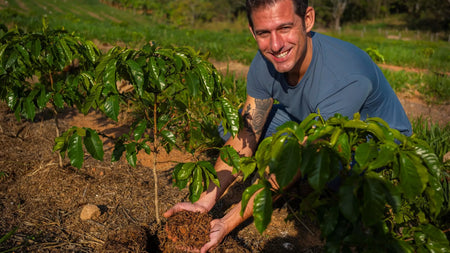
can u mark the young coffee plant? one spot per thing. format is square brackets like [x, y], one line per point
[372, 187]
[176, 95]
[44, 67]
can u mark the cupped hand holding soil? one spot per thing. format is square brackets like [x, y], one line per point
[188, 230]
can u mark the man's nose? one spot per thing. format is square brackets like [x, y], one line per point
[276, 42]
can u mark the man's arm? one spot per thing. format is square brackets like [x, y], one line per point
[254, 116]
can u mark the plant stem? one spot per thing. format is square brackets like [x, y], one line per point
[57, 135]
[155, 156]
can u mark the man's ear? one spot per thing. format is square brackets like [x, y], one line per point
[310, 18]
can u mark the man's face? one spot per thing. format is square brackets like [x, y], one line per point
[281, 36]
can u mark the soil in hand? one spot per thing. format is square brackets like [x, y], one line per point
[189, 230]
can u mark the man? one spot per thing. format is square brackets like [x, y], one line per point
[305, 72]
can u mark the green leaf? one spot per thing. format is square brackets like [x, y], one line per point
[348, 202]
[131, 154]
[112, 107]
[342, 147]
[262, 209]
[230, 117]
[263, 155]
[435, 196]
[119, 148]
[413, 177]
[58, 100]
[230, 156]
[29, 109]
[11, 99]
[139, 130]
[436, 240]
[321, 168]
[207, 80]
[247, 165]
[196, 187]
[287, 162]
[329, 220]
[169, 137]
[385, 156]
[374, 199]
[75, 150]
[43, 98]
[247, 194]
[93, 144]
[186, 171]
[36, 47]
[181, 184]
[137, 75]
[208, 169]
[193, 84]
[364, 153]
[109, 75]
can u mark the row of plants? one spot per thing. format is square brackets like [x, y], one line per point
[176, 95]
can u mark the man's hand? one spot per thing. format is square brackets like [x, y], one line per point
[185, 206]
[218, 232]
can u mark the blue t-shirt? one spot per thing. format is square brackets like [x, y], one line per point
[340, 79]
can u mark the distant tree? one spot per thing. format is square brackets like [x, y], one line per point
[338, 10]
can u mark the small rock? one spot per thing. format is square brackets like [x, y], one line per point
[446, 157]
[90, 212]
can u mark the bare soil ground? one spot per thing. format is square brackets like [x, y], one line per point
[44, 201]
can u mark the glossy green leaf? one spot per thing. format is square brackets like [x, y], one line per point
[263, 155]
[137, 75]
[119, 148]
[75, 150]
[181, 184]
[230, 117]
[247, 194]
[196, 186]
[112, 107]
[320, 169]
[230, 156]
[93, 144]
[262, 209]
[58, 100]
[413, 177]
[210, 172]
[139, 129]
[374, 199]
[206, 80]
[342, 147]
[329, 220]
[193, 84]
[435, 196]
[385, 156]
[247, 166]
[29, 109]
[287, 163]
[186, 171]
[436, 240]
[109, 75]
[169, 136]
[131, 154]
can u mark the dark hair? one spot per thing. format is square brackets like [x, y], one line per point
[300, 7]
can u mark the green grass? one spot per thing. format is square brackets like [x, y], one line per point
[232, 41]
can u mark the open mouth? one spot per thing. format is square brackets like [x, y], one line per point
[282, 55]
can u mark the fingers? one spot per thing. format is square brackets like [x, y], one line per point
[184, 206]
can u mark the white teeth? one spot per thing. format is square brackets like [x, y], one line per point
[282, 54]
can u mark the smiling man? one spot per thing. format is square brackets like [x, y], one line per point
[306, 72]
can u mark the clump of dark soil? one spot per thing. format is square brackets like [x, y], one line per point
[189, 229]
